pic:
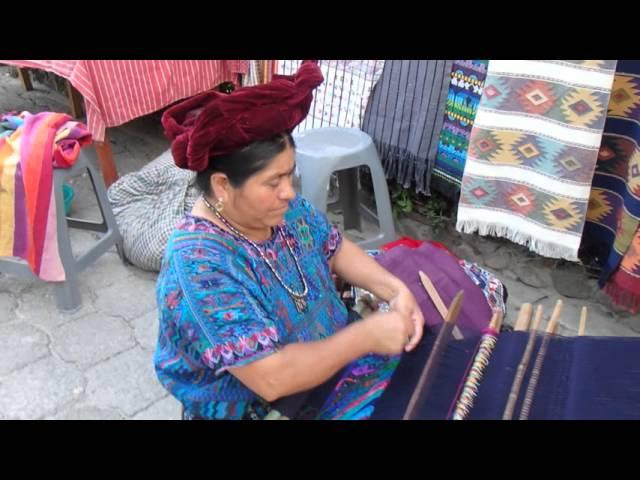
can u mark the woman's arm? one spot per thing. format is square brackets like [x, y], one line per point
[301, 366]
[353, 265]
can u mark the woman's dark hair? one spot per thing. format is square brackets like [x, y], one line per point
[238, 166]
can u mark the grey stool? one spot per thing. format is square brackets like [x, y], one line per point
[67, 292]
[322, 151]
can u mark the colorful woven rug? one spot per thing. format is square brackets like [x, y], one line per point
[614, 205]
[465, 91]
[533, 150]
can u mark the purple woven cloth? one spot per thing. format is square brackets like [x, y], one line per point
[447, 276]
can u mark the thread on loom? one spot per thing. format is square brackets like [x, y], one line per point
[480, 362]
[522, 366]
[430, 369]
[537, 368]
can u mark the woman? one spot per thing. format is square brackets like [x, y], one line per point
[249, 312]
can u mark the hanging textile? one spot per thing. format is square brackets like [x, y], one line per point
[404, 117]
[341, 99]
[259, 72]
[610, 233]
[252, 77]
[624, 285]
[465, 91]
[533, 150]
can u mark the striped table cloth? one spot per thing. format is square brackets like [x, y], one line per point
[117, 91]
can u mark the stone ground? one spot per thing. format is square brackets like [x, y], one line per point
[97, 362]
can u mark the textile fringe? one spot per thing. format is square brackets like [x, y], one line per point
[546, 249]
[405, 167]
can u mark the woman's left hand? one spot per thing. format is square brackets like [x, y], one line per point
[404, 302]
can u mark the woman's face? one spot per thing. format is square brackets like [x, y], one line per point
[264, 198]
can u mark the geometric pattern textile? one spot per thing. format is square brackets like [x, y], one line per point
[614, 207]
[465, 91]
[533, 150]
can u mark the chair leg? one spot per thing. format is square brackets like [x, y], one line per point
[108, 217]
[383, 204]
[107, 164]
[349, 198]
[75, 101]
[25, 78]
[67, 292]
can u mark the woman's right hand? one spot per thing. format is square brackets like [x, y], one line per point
[388, 332]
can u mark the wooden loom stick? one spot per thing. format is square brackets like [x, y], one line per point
[583, 322]
[464, 403]
[554, 321]
[496, 321]
[433, 294]
[522, 367]
[524, 318]
[537, 367]
[429, 370]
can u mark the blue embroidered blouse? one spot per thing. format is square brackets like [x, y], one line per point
[220, 305]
